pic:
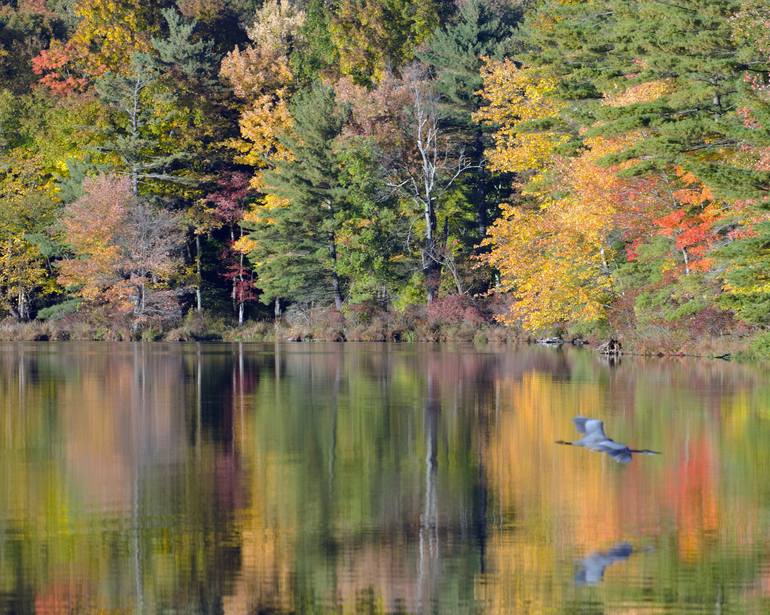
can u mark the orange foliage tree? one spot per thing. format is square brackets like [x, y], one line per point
[124, 251]
[692, 225]
[57, 68]
[555, 251]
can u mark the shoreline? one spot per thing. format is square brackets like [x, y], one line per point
[723, 348]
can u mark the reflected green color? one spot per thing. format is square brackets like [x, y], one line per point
[245, 478]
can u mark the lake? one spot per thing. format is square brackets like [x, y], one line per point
[374, 478]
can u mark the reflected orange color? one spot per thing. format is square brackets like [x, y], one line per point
[266, 577]
[152, 481]
[691, 487]
[59, 599]
[568, 490]
[66, 597]
[553, 493]
[380, 574]
[267, 559]
[522, 581]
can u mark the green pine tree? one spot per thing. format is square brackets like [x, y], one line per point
[688, 49]
[316, 53]
[296, 247]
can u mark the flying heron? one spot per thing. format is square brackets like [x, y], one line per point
[595, 439]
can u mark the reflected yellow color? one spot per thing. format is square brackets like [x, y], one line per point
[376, 479]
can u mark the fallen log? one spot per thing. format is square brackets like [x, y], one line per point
[611, 347]
[550, 341]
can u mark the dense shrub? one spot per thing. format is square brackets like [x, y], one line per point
[454, 309]
[758, 348]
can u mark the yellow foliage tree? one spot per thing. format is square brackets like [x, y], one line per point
[260, 75]
[554, 256]
[21, 271]
[551, 253]
[556, 275]
[646, 92]
[110, 32]
[373, 36]
[515, 98]
[552, 249]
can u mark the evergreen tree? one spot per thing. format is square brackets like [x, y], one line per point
[373, 231]
[140, 118]
[167, 108]
[179, 51]
[296, 235]
[316, 53]
[746, 276]
[455, 54]
[672, 70]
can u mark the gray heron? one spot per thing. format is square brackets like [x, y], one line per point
[595, 439]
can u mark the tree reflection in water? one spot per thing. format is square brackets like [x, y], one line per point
[373, 478]
[591, 568]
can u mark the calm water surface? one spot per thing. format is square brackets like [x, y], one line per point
[156, 478]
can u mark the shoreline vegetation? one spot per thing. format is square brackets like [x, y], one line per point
[325, 325]
[388, 170]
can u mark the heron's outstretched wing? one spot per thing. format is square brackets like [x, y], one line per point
[589, 427]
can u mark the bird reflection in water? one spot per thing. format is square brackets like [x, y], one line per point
[595, 439]
[590, 570]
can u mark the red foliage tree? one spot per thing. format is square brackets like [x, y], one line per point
[692, 225]
[56, 67]
[229, 202]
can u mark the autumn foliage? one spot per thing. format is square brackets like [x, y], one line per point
[619, 198]
[562, 159]
[124, 251]
[56, 68]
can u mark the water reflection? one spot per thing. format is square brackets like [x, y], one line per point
[590, 570]
[375, 479]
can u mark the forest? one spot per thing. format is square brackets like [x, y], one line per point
[387, 170]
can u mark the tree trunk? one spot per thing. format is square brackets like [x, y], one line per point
[135, 181]
[428, 533]
[23, 308]
[337, 292]
[482, 220]
[241, 286]
[336, 286]
[277, 309]
[134, 118]
[431, 264]
[198, 298]
[234, 291]
[432, 273]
